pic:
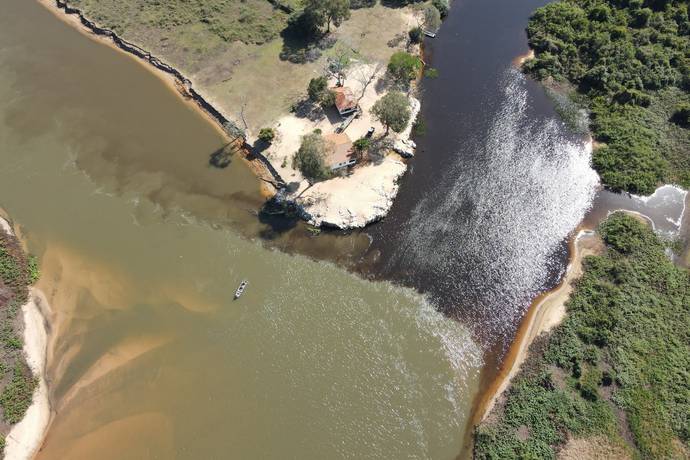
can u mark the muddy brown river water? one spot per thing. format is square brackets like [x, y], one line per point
[142, 244]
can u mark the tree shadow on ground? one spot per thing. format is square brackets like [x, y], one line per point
[301, 48]
[309, 110]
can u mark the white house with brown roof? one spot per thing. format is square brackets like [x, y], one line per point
[339, 154]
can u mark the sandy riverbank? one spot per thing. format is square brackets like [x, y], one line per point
[25, 438]
[546, 312]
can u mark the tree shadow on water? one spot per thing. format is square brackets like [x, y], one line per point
[279, 217]
[222, 157]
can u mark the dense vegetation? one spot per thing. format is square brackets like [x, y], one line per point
[17, 383]
[630, 59]
[404, 67]
[617, 367]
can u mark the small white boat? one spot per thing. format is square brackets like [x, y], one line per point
[240, 289]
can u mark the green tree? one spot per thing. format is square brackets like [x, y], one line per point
[393, 111]
[443, 7]
[336, 12]
[432, 18]
[320, 93]
[310, 159]
[403, 66]
[327, 12]
[316, 88]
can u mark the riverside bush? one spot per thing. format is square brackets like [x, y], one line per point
[627, 330]
[624, 56]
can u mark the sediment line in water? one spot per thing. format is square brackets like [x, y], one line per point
[182, 84]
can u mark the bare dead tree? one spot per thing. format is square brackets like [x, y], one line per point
[365, 76]
[241, 113]
[337, 65]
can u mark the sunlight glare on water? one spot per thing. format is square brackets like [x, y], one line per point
[490, 230]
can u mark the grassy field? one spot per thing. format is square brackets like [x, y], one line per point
[231, 49]
[17, 383]
[612, 380]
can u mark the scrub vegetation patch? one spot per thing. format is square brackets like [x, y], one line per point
[615, 372]
[17, 382]
[631, 61]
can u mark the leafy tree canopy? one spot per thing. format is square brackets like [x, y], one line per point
[310, 159]
[393, 111]
[629, 58]
[403, 66]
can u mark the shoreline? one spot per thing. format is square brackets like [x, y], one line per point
[26, 436]
[269, 180]
[546, 311]
[327, 204]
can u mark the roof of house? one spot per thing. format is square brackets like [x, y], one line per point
[342, 148]
[344, 99]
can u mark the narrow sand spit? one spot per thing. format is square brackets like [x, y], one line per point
[26, 436]
[547, 312]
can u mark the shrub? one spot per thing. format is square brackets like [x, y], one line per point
[431, 72]
[443, 7]
[432, 18]
[623, 58]
[644, 360]
[17, 395]
[681, 116]
[267, 135]
[403, 66]
[419, 127]
[356, 4]
[362, 144]
[416, 34]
